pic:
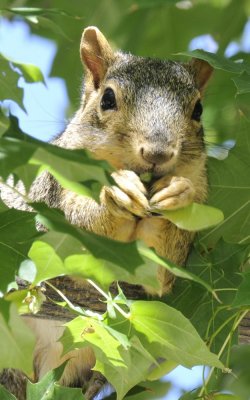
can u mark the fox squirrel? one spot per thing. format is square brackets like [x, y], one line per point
[141, 115]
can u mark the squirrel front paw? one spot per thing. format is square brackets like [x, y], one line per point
[128, 198]
[171, 193]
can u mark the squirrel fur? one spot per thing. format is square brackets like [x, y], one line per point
[141, 115]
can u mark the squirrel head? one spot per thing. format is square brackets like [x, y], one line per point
[139, 113]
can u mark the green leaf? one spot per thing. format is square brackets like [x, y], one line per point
[242, 83]
[219, 62]
[5, 309]
[27, 300]
[48, 389]
[11, 156]
[124, 366]
[101, 271]
[5, 394]
[48, 263]
[24, 11]
[242, 298]
[84, 330]
[65, 245]
[68, 393]
[9, 83]
[149, 391]
[137, 364]
[170, 335]
[70, 167]
[43, 390]
[162, 369]
[30, 72]
[174, 269]
[4, 122]
[123, 254]
[230, 191]
[219, 267]
[3, 206]
[241, 67]
[27, 270]
[17, 230]
[239, 382]
[16, 343]
[223, 396]
[194, 217]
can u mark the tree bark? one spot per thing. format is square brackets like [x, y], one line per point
[80, 293]
[244, 330]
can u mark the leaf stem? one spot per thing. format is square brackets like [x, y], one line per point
[123, 313]
[227, 340]
[71, 306]
[213, 336]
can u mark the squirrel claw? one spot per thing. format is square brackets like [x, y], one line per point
[180, 193]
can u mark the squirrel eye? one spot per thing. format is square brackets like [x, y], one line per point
[108, 101]
[197, 111]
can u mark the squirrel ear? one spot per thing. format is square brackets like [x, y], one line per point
[96, 53]
[202, 71]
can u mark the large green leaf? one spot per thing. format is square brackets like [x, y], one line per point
[49, 389]
[88, 267]
[194, 217]
[48, 263]
[170, 335]
[16, 343]
[70, 167]
[219, 268]
[149, 391]
[124, 364]
[230, 191]
[17, 230]
[122, 254]
[242, 82]
[5, 395]
[137, 361]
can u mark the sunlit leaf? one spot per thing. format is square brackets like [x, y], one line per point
[170, 335]
[122, 254]
[48, 264]
[30, 72]
[123, 367]
[194, 217]
[16, 343]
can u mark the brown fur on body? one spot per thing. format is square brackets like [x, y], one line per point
[150, 129]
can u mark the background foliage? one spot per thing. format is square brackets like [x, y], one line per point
[213, 293]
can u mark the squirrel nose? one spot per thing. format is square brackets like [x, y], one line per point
[156, 156]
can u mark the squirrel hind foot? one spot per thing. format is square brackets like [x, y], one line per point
[15, 382]
[95, 386]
